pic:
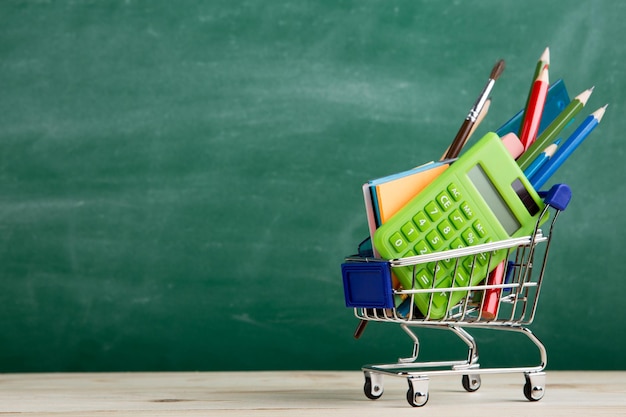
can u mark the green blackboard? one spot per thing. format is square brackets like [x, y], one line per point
[180, 181]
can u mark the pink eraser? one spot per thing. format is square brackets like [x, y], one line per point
[513, 144]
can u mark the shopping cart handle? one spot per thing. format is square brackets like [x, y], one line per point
[558, 196]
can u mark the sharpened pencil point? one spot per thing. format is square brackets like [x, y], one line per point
[584, 96]
[497, 70]
[598, 114]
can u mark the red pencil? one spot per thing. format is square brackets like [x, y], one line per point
[534, 110]
[491, 297]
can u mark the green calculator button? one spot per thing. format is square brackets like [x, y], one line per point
[434, 240]
[437, 268]
[421, 248]
[421, 221]
[470, 237]
[461, 276]
[446, 230]
[433, 211]
[469, 263]
[448, 263]
[444, 200]
[454, 192]
[424, 278]
[480, 230]
[441, 298]
[409, 231]
[467, 210]
[409, 253]
[457, 219]
[482, 258]
[398, 242]
[457, 244]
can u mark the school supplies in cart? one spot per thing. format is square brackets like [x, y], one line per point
[468, 247]
[482, 197]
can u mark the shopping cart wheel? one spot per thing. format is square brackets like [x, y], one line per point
[471, 383]
[373, 387]
[417, 395]
[534, 386]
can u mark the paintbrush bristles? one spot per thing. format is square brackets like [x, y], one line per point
[497, 70]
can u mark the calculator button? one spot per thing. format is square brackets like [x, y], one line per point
[457, 244]
[467, 210]
[469, 236]
[433, 211]
[409, 253]
[398, 242]
[461, 276]
[409, 231]
[424, 278]
[448, 263]
[421, 221]
[468, 263]
[434, 240]
[458, 221]
[454, 192]
[437, 268]
[441, 298]
[421, 248]
[480, 230]
[482, 258]
[444, 200]
[446, 230]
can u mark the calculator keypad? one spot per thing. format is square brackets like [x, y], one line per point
[446, 222]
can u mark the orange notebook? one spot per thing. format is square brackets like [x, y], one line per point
[385, 196]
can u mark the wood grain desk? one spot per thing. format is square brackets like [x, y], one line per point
[300, 393]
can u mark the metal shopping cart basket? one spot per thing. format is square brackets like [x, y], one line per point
[507, 305]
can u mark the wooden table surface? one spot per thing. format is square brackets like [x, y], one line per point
[305, 393]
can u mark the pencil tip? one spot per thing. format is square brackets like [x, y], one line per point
[598, 114]
[584, 96]
[497, 70]
[545, 57]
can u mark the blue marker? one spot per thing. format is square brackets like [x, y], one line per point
[579, 135]
[541, 159]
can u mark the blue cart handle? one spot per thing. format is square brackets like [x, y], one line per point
[558, 196]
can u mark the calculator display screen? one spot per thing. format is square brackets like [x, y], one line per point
[493, 199]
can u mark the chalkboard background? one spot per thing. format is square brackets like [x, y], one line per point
[180, 181]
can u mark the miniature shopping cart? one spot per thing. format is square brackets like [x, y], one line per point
[507, 305]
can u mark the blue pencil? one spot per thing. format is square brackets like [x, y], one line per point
[579, 135]
[541, 159]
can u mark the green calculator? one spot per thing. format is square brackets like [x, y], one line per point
[480, 198]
